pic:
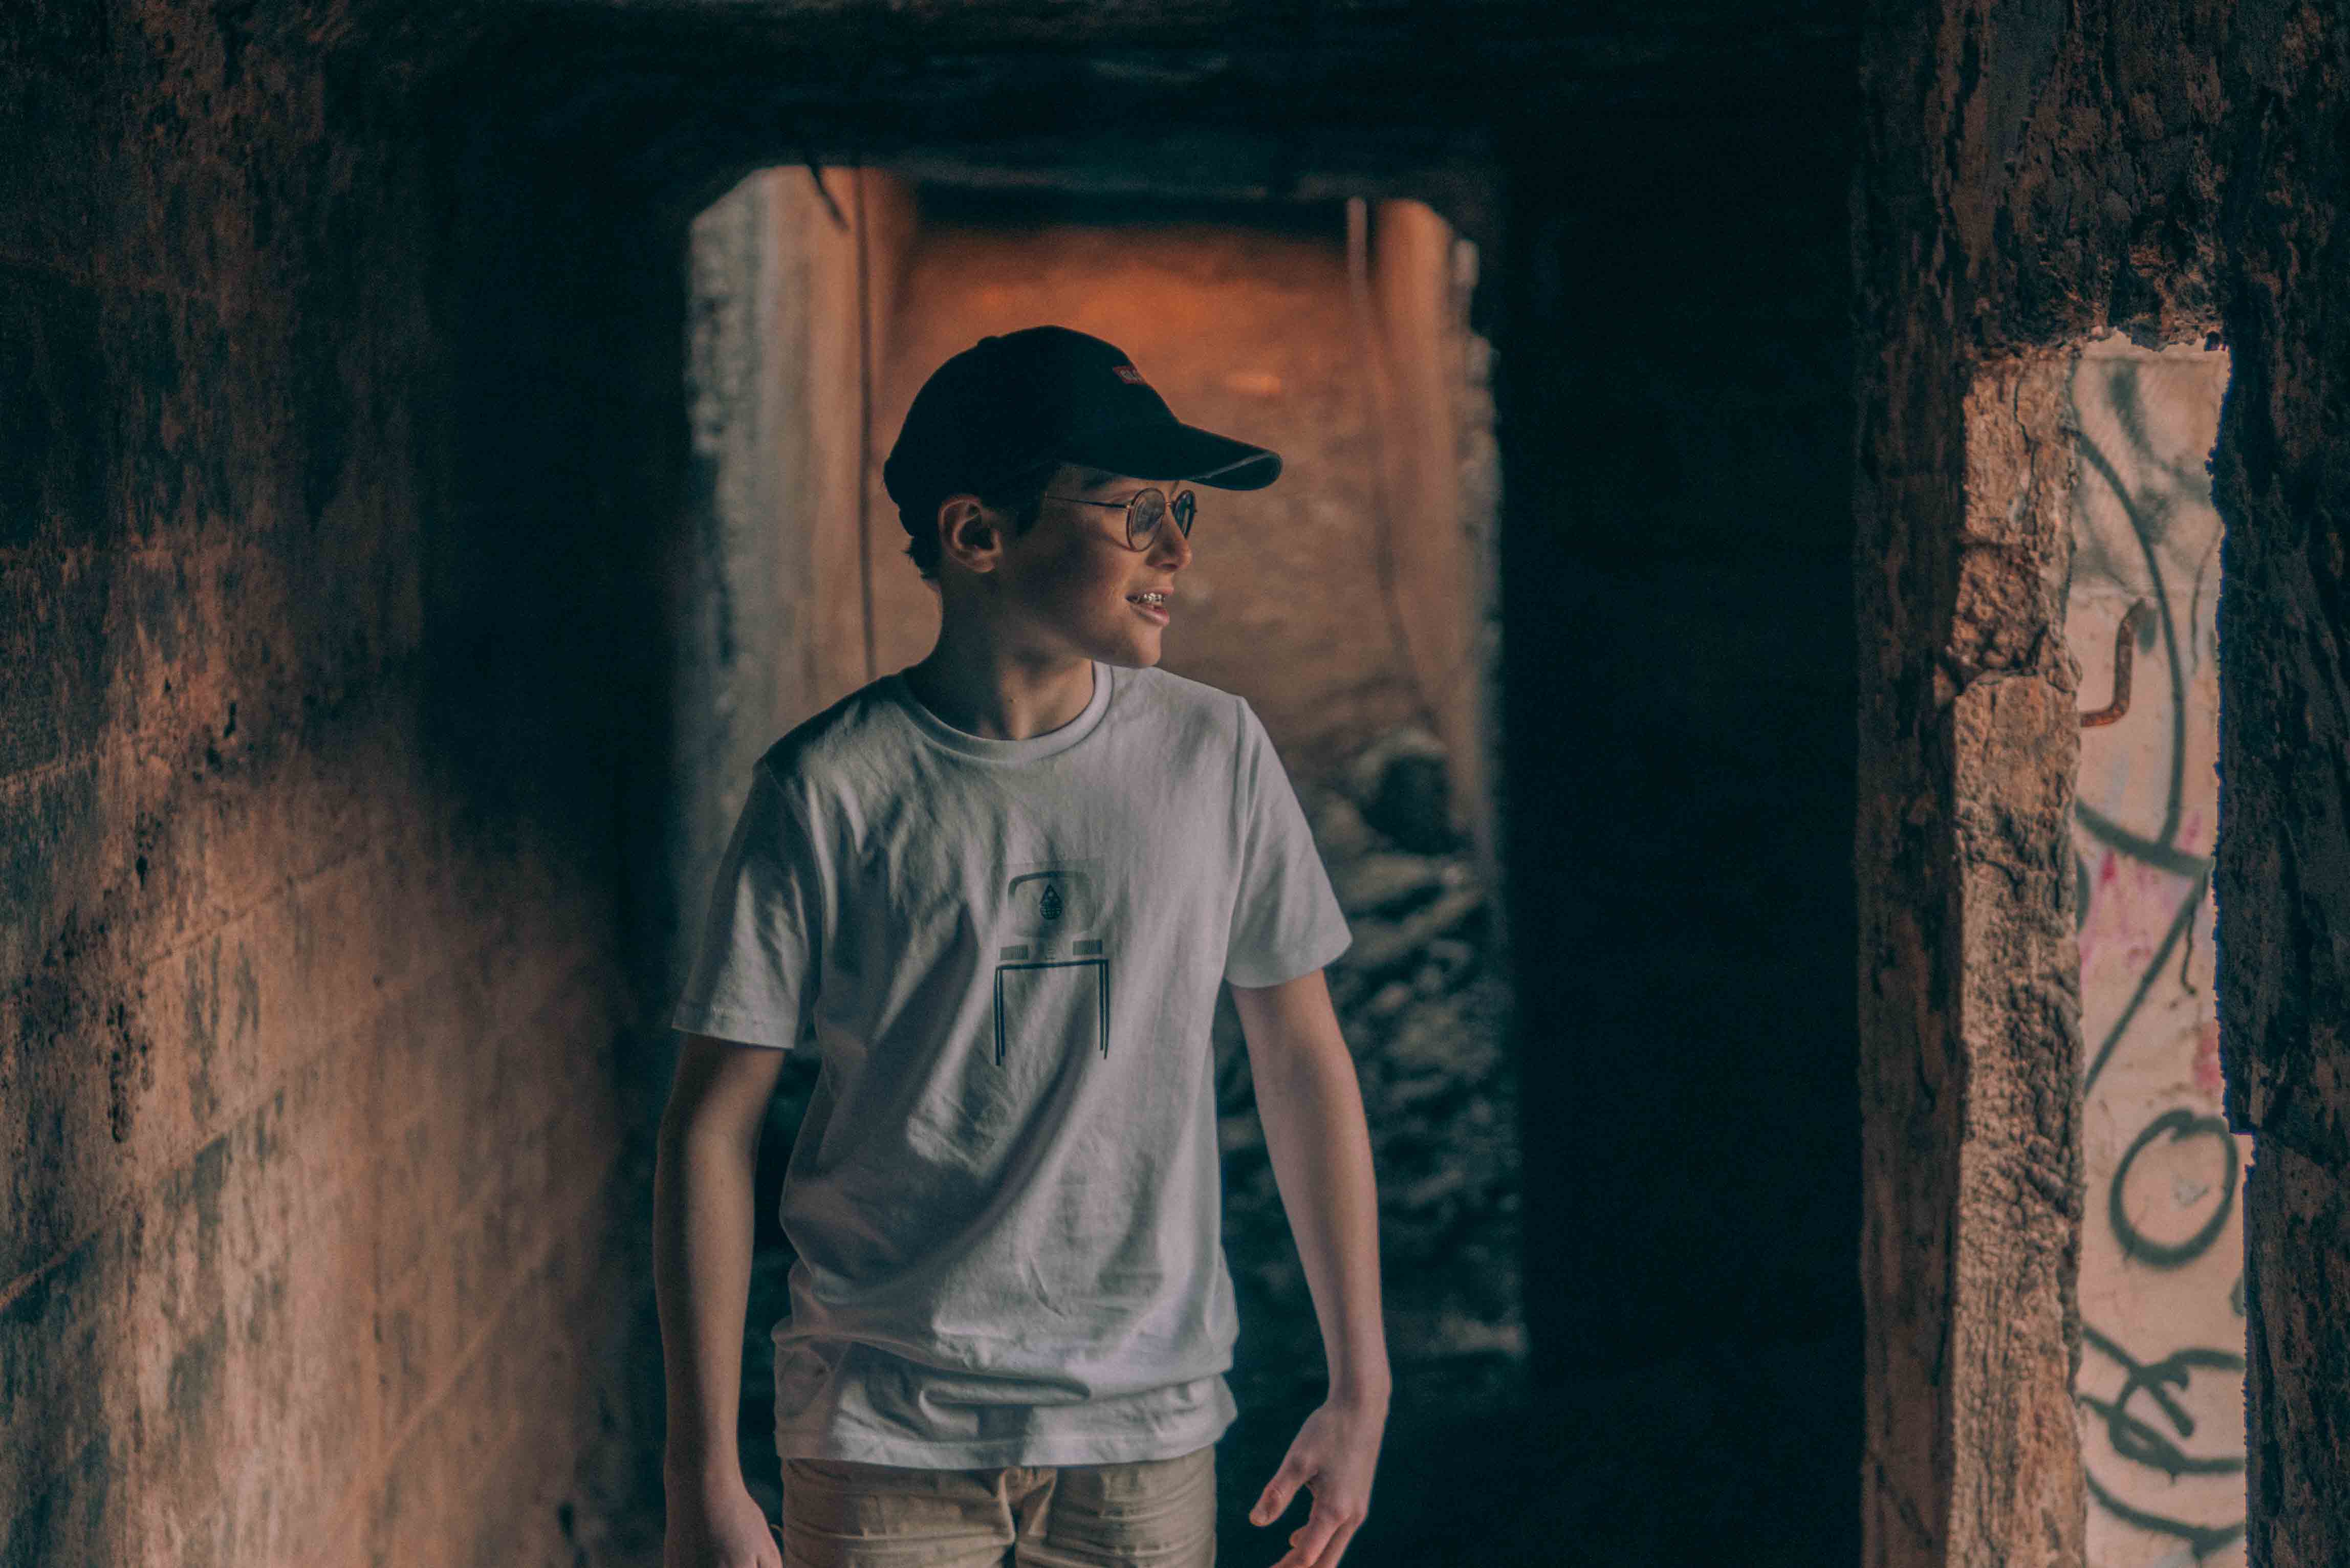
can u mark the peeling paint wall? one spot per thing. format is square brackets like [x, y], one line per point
[2160, 1385]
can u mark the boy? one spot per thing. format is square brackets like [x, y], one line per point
[995, 891]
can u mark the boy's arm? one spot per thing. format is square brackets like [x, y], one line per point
[1312, 1106]
[708, 1148]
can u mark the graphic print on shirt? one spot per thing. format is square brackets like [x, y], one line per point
[1052, 973]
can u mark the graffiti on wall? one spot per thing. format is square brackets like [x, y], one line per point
[2161, 1390]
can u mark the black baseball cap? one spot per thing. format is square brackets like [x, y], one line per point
[1050, 394]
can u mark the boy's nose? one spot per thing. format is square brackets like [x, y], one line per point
[1172, 545]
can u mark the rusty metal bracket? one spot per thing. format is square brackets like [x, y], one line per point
[2124, 650]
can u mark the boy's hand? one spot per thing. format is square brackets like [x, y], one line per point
[717, 1524]
[1334, 1457]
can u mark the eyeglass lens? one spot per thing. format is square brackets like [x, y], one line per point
[1149, 508]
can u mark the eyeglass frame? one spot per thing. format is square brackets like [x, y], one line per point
[1184, 506]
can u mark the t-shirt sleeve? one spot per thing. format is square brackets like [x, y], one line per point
[1285, 915]
[755, 974]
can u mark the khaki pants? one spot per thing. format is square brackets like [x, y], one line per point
[1150, 1513]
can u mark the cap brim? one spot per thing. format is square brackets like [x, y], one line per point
[1176, 451]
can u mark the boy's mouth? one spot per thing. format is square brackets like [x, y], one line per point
[1153, 603]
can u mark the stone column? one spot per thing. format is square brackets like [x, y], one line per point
[1968, 1004]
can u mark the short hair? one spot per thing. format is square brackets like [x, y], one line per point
[1020, 494]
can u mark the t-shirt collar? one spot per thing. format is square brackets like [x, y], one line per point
[982, 749]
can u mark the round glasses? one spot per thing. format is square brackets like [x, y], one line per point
[1144, 511]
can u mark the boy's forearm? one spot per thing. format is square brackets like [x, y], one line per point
[702, 1281]
[1311, 1103]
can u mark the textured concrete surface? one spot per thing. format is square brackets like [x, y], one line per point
[2282, 485]
[767, 588]
[317, 1004]
[2005, 197]
[2052, 176]
[311, 1002]
[1969, 1002]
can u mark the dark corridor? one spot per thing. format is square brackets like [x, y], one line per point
[345, 577]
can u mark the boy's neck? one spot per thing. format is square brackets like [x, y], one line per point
[999, 695]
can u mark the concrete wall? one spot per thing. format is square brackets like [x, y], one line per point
[2283, 881]
[2160, 1384]
[2169, 173]
[1969, 975]
[310, 999]
[1978, 1110]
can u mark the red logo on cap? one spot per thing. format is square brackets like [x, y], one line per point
[1128, 373]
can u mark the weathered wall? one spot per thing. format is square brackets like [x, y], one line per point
[746, 642]
[308, 991]
[2026, 178]
[2160, 1384]
[2281, 477]
[1971, 1156]
[2043, 177]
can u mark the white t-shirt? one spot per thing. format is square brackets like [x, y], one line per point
[1005, 1196]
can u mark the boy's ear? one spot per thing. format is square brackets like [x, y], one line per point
[967, 533]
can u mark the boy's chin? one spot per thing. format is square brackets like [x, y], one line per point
[1137, 654]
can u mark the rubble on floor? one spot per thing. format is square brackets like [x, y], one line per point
[1422, 998]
